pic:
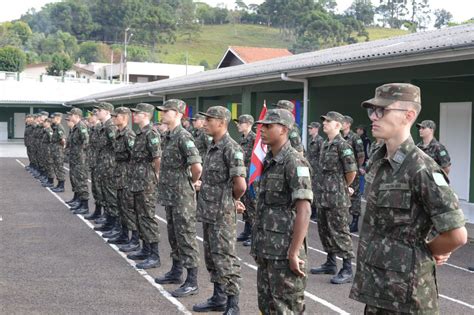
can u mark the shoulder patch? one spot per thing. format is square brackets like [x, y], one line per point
[359, 141]
[83, 130]
[154, 140]
[443, 153]
[238, 156]
[302, 171]
[190, 144]
[439, 179]
[60, 132]
[131, 142]
[111, 134]
[347, 152]
[294, 134]
[209, 138]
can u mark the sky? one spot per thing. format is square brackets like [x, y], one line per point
[462, 10]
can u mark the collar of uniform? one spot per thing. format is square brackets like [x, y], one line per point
[145, 128]
[221, 142]
[175, 131]
[121, 132]
[400, 155]
[280, 157]
[337, 138]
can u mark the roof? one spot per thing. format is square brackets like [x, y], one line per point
[252, 54]
[79, 68]
[448, 44]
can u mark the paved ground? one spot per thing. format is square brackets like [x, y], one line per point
[52, 262]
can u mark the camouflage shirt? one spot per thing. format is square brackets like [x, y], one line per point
[374, 146]
[93, 150]
[406, 196]
[224, 160]
[145, 150]
[106, 146]
[47, 139]
[78, 141]
[314, 151]
[28, 134]
[202, 141]
[437, 152]
[179, 153]
[357, 145]
[59, 135]
[123, 151]
[247, 142]
[285, 179]
[295, 139]
[337, 159]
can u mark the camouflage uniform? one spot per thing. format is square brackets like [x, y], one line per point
[216, 209]
[35, 141]
[57, 150]
[92, 153]
[247, 142]
[46, 146]
[285, 180]
[437, 152]
[27, 140]
[202, 141]
[294, 134]
[312, 155]
[77, 142]
[358, 148]
[374, 146]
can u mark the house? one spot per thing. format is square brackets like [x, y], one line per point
[238, 55]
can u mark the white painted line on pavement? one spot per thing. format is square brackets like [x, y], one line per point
[457, 301]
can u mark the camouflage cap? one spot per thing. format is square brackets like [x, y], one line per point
[173, 104]
[56, 114]
[348, 119]
[198, 116]
[314, 124]
[285, 104]
[333, 116]
[144, 107]
[44, 113]
[219, 112]
[29, 116]
[67, 118]
[121, 110]
[427, 124]
[278, 116]
[75, 111]
[245, 119]
[393, 92]
[106, 106]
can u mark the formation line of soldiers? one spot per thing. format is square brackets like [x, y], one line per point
[202, 176]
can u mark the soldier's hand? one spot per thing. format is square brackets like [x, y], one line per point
[441, 259]
[239, 206]
[295, 264]
[197, 185]
[351, 191]
[362, 171]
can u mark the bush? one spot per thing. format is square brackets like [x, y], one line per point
[12, 59]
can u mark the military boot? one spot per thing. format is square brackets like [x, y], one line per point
[216, 303]
[83, 208]
[314, 214]
[74, 199]
[345, 274]
[59, 188]
[132, 245]
[153, 260]
[49, 183]
[329, 267]
[173, 276]
[190, 286]
[107, 226]
[115, 231]
[76, 205]
[232, 307]
[141, 254]
[354, 226]
[96, 214]
[245, 235]
[101, 219]
[121, 238]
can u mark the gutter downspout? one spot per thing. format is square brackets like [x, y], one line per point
[285, 77]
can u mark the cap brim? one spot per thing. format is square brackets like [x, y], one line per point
[419, 125]
[324, 117]
[136, 110]
[377, 102]
[210, 116]
[161, 108]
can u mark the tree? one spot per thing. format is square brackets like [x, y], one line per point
[186, 21]
[60, 64]
[12, 59]
[22, 30]
[72, 17]
[442, 18]
[392, 12]
[420, 14]
[362, 10]
[94, 52]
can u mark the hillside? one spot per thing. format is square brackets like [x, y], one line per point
[214, 40]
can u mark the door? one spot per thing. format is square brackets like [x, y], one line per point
[455, 133]
[18, 125]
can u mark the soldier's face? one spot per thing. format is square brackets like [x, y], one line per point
[331, 126]
[272, 133]
[121, 120]
[212, 126]
[138, 117]
[198, 123]
[313, 131]
[169, 116]
[425, 132]
[101, 113]
[243, 127]
[392, 123]
[69, 123]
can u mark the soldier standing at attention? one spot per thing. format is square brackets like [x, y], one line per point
[294, 134]
[244, 125]
[201, 139]
[223, 183]
[46, 144]
[336, 171]
[433, 147]
[144, 176]
[312, 155]
[180, 170]
[282, 219]
[57, 150]
[407, 195]
[27, 139]
[41, 149]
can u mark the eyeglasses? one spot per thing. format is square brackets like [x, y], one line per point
[380, 111]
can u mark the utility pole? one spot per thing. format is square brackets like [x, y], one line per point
[126, 41]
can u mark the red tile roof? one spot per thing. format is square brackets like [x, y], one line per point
[252, 54]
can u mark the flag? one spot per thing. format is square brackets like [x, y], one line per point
[258, 153]
[297, 112]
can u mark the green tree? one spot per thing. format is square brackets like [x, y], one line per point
[71, 17]
[419, 14]
[60, 63]
[442, 18]
[186, 20]
[94, 52]
[12, 59]
[22, 30]
[362, 10]
[392, 12]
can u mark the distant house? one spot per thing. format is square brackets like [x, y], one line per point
[238, 55]
[39, 69]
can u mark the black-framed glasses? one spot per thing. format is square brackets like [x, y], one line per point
[380, 111]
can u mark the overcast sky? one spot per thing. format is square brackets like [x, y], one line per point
[462, 10]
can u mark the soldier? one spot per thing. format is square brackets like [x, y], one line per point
[374, 146]
[124, 142]
[187, 124]
[336, 170]
[281, 225]
[57, 150]
[362, 133]
[201, 139]
[77, 143]
[407, 194]
[294, 134]
[312, 155]
[247, 140]
[223, 182]
[29, 125]
[144, 175]
[46, 144]
[180, 170]
[433, 147]
[40, 149]
[358, 148]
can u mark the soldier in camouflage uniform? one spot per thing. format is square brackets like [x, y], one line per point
[336, 170]
[40, 149]
[144, 174]
[201, 139]
[32, 141]
[57, 150]
[312, 155]
[180, 170]
[223, 181]
[358, 148]
[29, 125]
[407, 194]
[433, 147]
[294, 134]
[374, 146]
[46, 144]
[281, 225]
[247, 140]
[77, 143]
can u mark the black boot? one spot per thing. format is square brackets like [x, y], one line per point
[132, 245]
[153, 261]
[83, 208]
[115, 231]
[245, 235]
[345, 274]
[59, 187]
[49, 183]
[232, 305]
[329, 267]
[107, 226]
[314, 214]
[122, 238]
[141, 254]
[190, 286]
[101, 219]
[97, 212]
[74, 199]
[76, 205]
[216, 303]
[354, 226]
[247, 243]
[173, 276]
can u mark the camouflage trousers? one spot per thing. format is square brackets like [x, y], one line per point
[125, 209]
[29, 153]
[182, 234]
[374, 310]
[48, 163]
[250, 205]
[333, 228]
[355, 204]
[95, 188]
[108, 193]
[280, 291]
[219, 255]
[78, 177]
[144, 207]
[57, 155]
